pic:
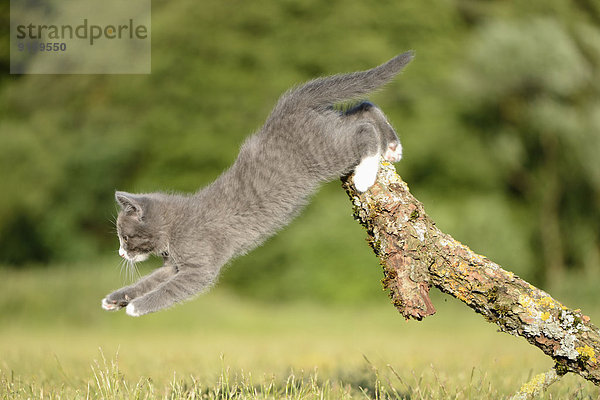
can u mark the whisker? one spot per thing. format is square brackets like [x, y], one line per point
[113, 221]
[129, 268]
[133, 271]
[123, 269]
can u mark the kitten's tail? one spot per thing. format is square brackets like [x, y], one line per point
[337, 88]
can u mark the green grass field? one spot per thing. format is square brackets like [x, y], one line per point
[56, 342]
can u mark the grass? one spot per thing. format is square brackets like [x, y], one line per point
[56, 342]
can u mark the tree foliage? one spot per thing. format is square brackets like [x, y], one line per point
[499, 115]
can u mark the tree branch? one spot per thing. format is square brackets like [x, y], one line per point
[416, 255]
[536, 386]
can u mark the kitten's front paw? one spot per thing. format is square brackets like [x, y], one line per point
[132, 310]
[115, 301]
[109, 305]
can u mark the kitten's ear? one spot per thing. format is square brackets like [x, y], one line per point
[130, 203]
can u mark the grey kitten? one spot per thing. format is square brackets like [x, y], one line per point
[303, 143]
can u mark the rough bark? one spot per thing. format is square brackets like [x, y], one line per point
[416, 255]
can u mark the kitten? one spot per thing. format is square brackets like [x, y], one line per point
[303, 143]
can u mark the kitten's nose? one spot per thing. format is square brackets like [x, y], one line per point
[121, 252]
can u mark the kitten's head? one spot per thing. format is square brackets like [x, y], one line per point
[139, 226]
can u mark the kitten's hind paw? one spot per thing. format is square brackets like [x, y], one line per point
[365, 173]
[394, 152]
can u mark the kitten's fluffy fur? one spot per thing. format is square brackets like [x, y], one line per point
[303, 143]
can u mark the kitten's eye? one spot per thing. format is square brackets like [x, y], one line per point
[125, 238]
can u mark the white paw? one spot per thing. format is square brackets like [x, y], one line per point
[109, 306]
[365, 173]
[131, 311]
[394, 152]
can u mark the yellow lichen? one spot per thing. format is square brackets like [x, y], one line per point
[461, 267]
[545, 316]
[547, 302]
[534, 385]
[587, 352]
[525, 301]
[537, 307]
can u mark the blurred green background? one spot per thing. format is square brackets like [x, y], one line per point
[499, 115]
